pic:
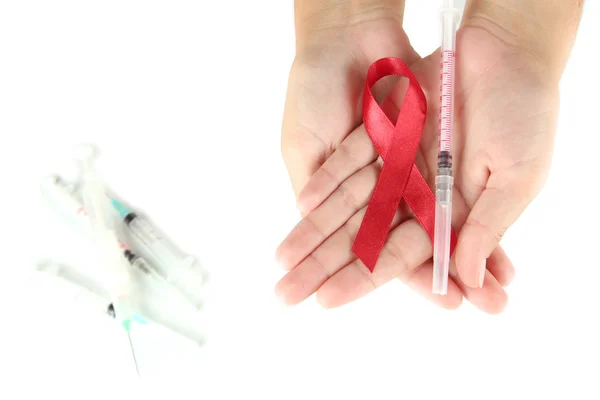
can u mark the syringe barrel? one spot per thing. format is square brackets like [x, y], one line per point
[142, 229]
[140, 264]
[448, 66]
[167, 253]
[176, 268]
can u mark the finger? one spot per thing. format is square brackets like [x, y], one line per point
[491, 298]
[317, 226]
[334, 254]
[314, 270]
[353, 154]
[494, 211]
[405, 249]
[352, 283]
[501, 267]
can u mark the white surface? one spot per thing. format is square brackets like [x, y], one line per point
[184, 100]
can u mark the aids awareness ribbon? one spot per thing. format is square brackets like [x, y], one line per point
[397, 144]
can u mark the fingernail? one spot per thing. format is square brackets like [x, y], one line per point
[482, 270]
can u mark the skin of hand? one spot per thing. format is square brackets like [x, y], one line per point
[506, 109]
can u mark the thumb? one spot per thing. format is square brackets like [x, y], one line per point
[496, 209]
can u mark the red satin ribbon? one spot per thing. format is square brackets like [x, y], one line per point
[400, 178]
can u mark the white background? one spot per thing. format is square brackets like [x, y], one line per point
[184, 100]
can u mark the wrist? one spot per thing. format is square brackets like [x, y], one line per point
[319, 19]
[543, 30]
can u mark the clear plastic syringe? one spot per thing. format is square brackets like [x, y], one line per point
[444, 179]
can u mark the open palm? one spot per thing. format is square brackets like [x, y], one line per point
[504, 127]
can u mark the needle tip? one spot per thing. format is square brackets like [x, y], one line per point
[137, 370]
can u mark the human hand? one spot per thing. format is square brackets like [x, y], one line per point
[505, 66]
[503, 145]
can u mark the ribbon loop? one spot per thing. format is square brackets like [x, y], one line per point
[400, 178]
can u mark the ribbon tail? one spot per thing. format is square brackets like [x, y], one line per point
[377, 221]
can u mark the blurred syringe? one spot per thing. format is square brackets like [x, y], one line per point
[178, 269]
[444, 180]
[96, 204]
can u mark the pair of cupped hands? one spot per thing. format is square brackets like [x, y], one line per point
[505, 120]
